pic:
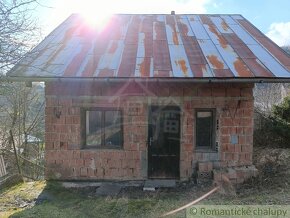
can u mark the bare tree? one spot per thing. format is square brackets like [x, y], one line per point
[268, 94]
[21, 107]
[22, 114]
[18, 31]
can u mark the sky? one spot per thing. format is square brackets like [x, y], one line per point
[272, 17]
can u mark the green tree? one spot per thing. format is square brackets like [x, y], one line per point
[281, 122]
[274, 127]
[282, 111]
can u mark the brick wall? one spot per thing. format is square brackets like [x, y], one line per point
[67, 159]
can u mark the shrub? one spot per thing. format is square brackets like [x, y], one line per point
[275, 129]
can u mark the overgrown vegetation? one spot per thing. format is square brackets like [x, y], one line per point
[21, 107]
[281, 122]
[274, 128]
[22, 125]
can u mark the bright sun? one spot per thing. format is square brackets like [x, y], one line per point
[96, 19]
[95, 13]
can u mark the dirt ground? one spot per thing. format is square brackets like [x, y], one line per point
[50, 199]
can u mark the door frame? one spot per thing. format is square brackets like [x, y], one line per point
[148, 137]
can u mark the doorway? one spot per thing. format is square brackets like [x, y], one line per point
[164, 142]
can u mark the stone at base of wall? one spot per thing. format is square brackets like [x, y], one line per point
[235, 174]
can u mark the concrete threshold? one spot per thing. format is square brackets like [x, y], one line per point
[152, 184]
[86, 184]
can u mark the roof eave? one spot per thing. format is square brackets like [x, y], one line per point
[150, 79]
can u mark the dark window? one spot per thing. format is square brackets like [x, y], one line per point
[103, 127]
[205, 128]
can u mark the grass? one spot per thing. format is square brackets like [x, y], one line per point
[82, 203]
[50, 199]
[131, 202]
[70, 203]
[13, 199]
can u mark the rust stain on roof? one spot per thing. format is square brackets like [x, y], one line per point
[175, 37]
[162, 73]
[242, 69]
[200, 70]
[215, 62]
[183, 28]
[113, 47]
[205, 19]
[251, 29]
[171, 22]
[225, 26]
[105, 72]
[223, 73]
[75, 49]
[183, 66]
[76, 62]
[91, 66]
[257, 68]
[145, 67]
[221, 39]
[159, 29]
[67, 37]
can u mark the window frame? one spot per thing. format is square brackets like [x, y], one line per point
[84, 126]
[213, 137]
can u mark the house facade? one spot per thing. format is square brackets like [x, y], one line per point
[152, 96]
[167, 130]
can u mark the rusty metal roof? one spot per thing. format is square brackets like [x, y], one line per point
[156, 46]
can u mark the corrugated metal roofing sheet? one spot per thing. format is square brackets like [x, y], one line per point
[145, 46]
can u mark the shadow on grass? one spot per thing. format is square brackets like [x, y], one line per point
[56, 201]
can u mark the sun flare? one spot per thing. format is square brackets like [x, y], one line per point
[97, 20]
[95, 14]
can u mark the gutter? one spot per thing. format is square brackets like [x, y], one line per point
[154, 79]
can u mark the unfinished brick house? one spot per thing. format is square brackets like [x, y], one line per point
[152, 96]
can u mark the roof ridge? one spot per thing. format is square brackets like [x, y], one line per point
[215, 14]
